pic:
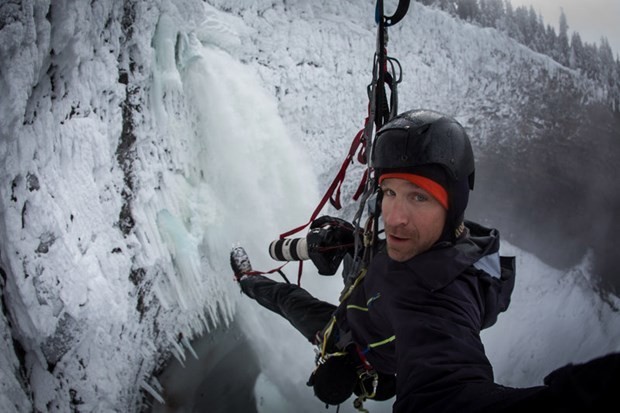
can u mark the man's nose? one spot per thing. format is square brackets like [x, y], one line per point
[398, 213]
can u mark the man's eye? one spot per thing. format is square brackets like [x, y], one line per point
[388, 192]
[418, 197]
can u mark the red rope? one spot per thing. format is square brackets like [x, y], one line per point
[254, 272]
[336, 183]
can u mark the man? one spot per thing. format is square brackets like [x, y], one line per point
[410, 322]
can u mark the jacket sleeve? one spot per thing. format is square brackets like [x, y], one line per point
[438, 347]
[441, 362]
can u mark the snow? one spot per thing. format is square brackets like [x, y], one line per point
[242, 112]
[553, 319]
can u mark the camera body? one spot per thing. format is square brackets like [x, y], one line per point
[325, 249]
[327, 242]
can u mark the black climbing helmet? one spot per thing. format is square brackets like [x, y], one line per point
[424, 137]
[434, 145]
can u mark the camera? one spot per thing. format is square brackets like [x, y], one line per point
[328, 241]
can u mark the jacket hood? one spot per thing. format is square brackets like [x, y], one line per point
[480, 244]
[477, 254]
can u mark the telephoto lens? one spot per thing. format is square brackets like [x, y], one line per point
[290, 249]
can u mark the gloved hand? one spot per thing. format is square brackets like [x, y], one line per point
[334, 380]
[587, 387]
[329, 239]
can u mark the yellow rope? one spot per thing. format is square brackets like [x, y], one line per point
[380, 343]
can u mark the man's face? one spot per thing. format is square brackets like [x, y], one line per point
[413, 219]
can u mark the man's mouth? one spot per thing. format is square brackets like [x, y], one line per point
[396, 238]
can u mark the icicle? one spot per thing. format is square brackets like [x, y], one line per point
[150, 390]
[156, 384]
[188, 345]
[178, 352]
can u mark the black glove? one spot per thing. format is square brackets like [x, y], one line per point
[329, 239]
[587, 387]
[334, 380]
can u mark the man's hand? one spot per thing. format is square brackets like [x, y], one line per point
[329, 239]
[588, 387]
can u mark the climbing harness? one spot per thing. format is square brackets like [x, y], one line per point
[328, 345]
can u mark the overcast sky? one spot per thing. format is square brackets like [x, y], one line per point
[593, 19]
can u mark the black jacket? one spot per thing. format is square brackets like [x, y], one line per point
[421, 319]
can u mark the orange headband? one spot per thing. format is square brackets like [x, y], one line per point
[437, 191]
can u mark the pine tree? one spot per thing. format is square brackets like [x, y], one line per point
[562, 47]
[591, 64]
[467, 9]
[536, 30]
[606, 61]
[616, 92]
[576, 55]
[510, 25]
[551, 40]
[491, 13]
[496, 13]
[521, 20]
